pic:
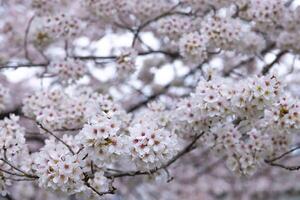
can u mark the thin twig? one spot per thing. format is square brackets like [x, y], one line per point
[290, 168]
[56, 137]
[147, 23]
[26, 38]
[11, 173]
[19, 170]
[283, 155]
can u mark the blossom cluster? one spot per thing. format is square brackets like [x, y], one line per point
[62, 26]
[215, 32]
[58, 169]
[68, 70]
[288, 39]
[13, 149]
[92, 138]
[111, 10]
[152, 146]
[175, 26]
[110, 136]
[126, 61]
[245, 123]
[102, 138]
[56, 109]
[193, 47]
[59, 109]
[266, 14]
[229, 33]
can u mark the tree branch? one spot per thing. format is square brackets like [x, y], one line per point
[268, 67]
[283, 155]
[289, 168]
[19, 170]
[30, 65]
[145, 53]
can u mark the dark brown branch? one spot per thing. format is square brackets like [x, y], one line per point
[8, 197]
[268, 67]
[244, 62]
[289, 168]
[19, 170]
[283, 155]
[113, 57]
[11, 173]
[111, 189]
[16, 111]
[29, 65]
[184, 151]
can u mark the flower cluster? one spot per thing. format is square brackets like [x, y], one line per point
[241, 120]
[245, 150]
[93, 140]
[266, 14]
[152, 143]
[152, 146]
[112, 9]
[174, 26]
[148, 8]
[102, 137]
[13, 149]
[288, 39]
[193, 47]
[43, 7]
[126, 61]
[101, 8]
[223, 32]
[284, 116]
[204, 5]
[57, 110]
[12, 138]
[62, 26]
[68, 70]
[4, 97]
[58, 169]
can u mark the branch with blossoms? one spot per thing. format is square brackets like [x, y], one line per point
[111, 176]
[181, 153]
[272, 161]
[163, 93]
